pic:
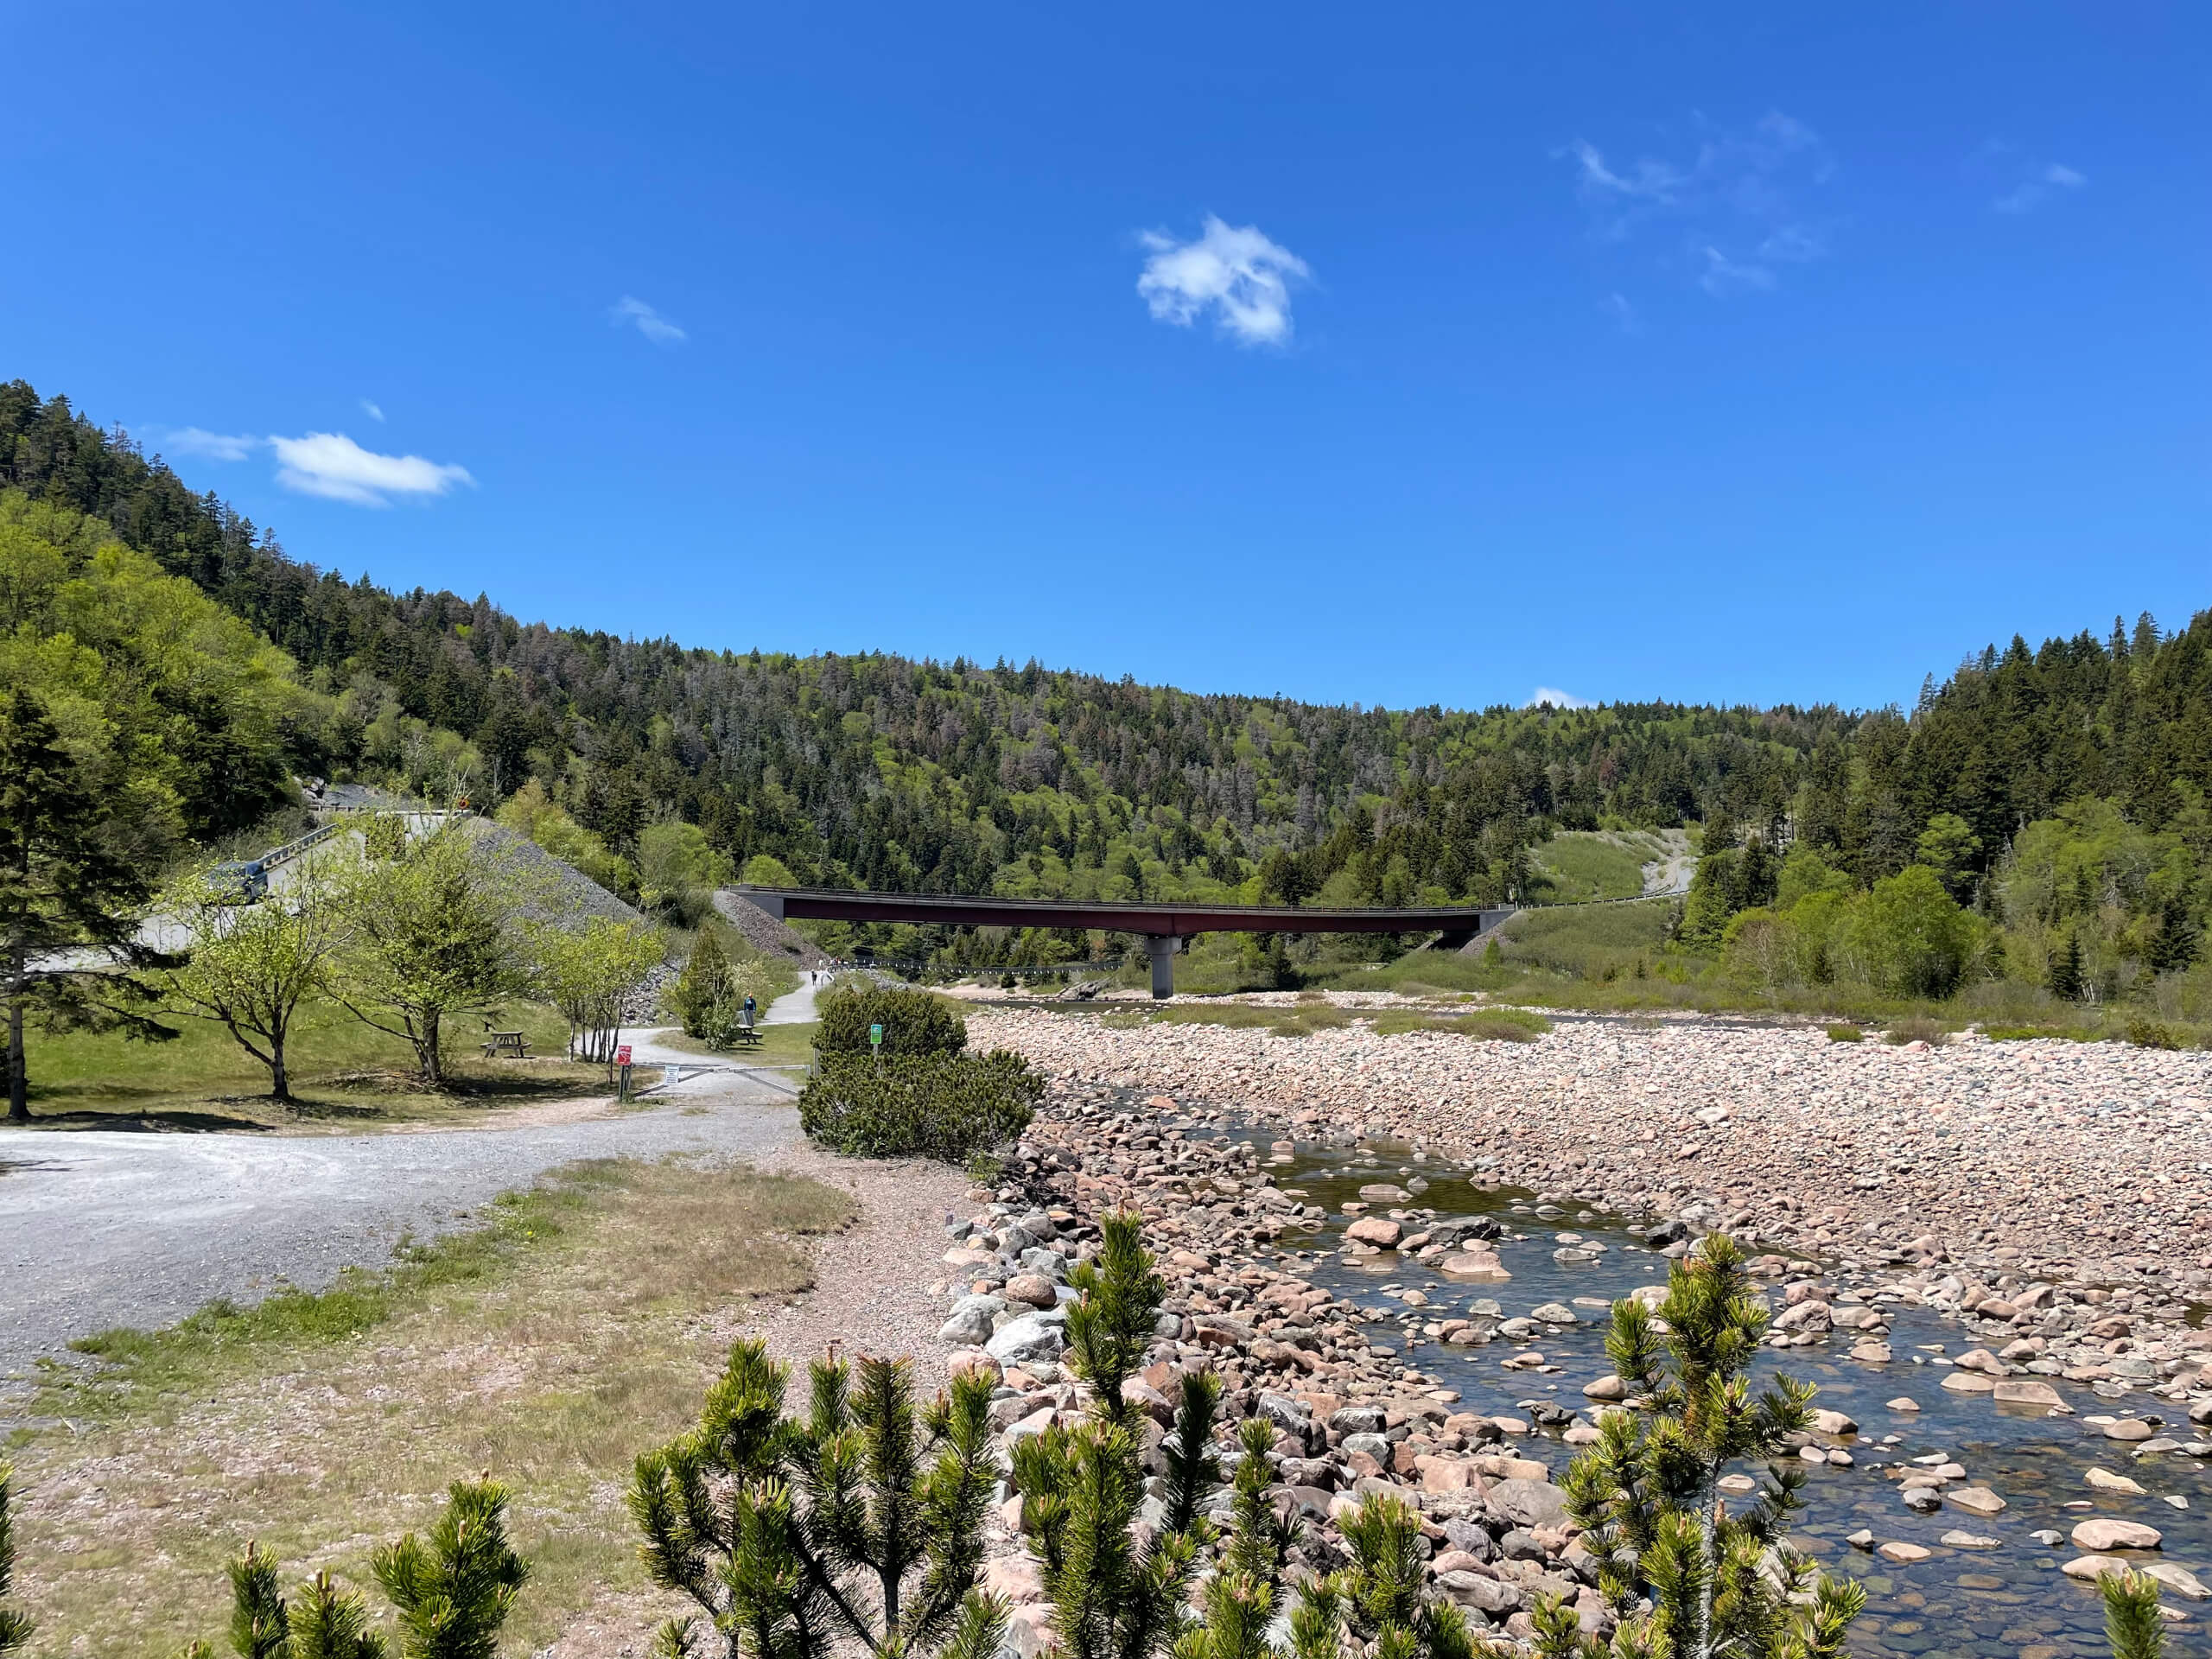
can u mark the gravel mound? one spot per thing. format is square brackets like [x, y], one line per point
[561, 892]
[764, 933]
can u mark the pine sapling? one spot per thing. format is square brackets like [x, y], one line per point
[2131, 1621]
[1261, 1533]
[259, 1628]
[454, 1589]
[329, 1623]
[1647, 1495]
[1110, 1325]
[861, 1524]
[16, 1626]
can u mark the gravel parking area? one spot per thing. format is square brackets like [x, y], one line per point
[102, 1229]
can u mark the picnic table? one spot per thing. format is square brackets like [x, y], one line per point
[512, 1043]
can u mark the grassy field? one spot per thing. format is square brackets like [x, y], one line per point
[1579, 864]
[346, 1076]
[579, 1327]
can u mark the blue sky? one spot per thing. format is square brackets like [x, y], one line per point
[1717, 352]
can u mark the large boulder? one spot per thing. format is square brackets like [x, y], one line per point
[1033, 1336]
[972, 1321]
[1527, 1504]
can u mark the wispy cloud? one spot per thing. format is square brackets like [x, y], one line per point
[2034, 190]
[1557, 698]
[631, 311]
[1624, 313]
[208, 445]
[371, 411]
[1740, 200]
[1237, 275]
[330, 465]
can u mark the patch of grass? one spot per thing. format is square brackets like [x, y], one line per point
[1841, 1033]
[1487, 1025]
[1916, 1029]
[343, 1074]
[791, 1045]
[2039, 1033]
[1580, 864]
[577, 1326]
[1301, 1020]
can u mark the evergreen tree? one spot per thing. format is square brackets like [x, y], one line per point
[862, 1523]
[454, 1589]
[1117, 1303]
[2174, 946]
[703, 985]
[16, 1626]
[65, 900]
[1648, 1497]
[2066, 969]
[329, 1623]
[259, 1626]
[2132, 1625]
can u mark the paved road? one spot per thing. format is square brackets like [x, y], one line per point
[99, 1228]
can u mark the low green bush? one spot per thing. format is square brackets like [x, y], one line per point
[949, 1107]
[2039, 1033]
[2146, 1032]
[914, 1022]
[1913, 1029]
[1845, 1034]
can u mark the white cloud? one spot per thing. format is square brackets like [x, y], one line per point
[1616, 306]
[1557, 698]
[650, 322]
[371, 411]
[208, 445]
[2033, 191]
[1237, 274]
[333, 465]
[1724, 276]
[1740, 198]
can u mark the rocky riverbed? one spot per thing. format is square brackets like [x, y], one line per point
[1400, 1251]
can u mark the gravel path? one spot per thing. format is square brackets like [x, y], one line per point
[102, 1228]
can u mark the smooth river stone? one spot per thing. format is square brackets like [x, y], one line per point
[2105, 1533]
[1976, 1500]
[1969, 1382]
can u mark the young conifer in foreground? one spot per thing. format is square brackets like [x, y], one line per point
[16, 1626]
[862, 1523]
[1647, 1495]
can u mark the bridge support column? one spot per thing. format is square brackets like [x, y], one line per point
[1162, 947]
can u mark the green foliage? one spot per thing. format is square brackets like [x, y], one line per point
[861, 1523]
[454, 1589]
[2146, 1032]
[249, 967]
[64, 889]
[174, 709]
[703, 985]
[531, 812]
[1841, 1033]
[16, 1626]
[914, 1022]
[949, 1107]
[329, 1623]
[1119, 1293]
[435, 933]
[259, 1626]
[588, 969]
[1647, 1495]
[2131, 1622]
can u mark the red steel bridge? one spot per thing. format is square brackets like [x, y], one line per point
[1163, 926]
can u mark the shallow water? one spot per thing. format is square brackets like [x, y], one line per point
[2012, 1600]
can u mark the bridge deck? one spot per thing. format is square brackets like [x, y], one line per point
[1164, 920]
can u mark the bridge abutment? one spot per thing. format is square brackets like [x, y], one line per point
[1162, 947]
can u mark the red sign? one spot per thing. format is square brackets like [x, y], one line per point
[622, 1055]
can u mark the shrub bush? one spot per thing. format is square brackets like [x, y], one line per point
[1845, 1034]
[949, 1107]
[2146, 1033]
[914, 1023]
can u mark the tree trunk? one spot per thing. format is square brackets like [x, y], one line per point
[19, 1083]
[280, 1087]
[427, 1047]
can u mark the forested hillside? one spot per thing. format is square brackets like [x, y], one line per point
[881, 771]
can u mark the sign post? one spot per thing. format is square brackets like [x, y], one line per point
[622, 1065]
[875, 1043]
